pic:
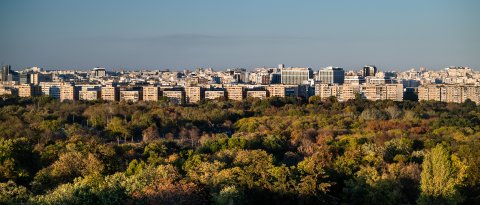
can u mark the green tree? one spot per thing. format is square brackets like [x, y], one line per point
[438, 178]
[15, 160]
[229, 195]
[11, 193]
[118, 127]
[373, 114]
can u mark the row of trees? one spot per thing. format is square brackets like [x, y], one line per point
[273, 151]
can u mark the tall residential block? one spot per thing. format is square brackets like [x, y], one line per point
[110, 93]
[28, 90]
[449, 93]
[276, 91]
[235, 92]
[325, 91]
[432, 92]
[383, 92]
[193, 94]
[68, 92]
[151, 93]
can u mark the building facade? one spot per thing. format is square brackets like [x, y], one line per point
[214, 94]
[235, 92]
[193, 94]
[151, 93]
[296, 76]
[68, 92]
[88, 95]
[260, 94]
[130, 95]
[110, 93]
[175, 96]
[331, 75]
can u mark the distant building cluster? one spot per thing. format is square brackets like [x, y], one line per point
[453, 84]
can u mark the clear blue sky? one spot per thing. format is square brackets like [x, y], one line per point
[184, 34]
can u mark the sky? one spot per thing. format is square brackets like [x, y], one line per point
[186, 34]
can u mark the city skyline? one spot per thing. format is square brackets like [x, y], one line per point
[189, 34]
[317, 68]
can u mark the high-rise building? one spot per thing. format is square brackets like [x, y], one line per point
[235, 92]
[37, 78]
[369, 70]
[51, 89]
[193, 94]
[68, 92]
[383, 92]
[8, 75]
[110, 93]
[325, 91]
[432, 92]
[296, 76]
[24, 78]
[239, 75]
[449, 93]
[28, 90]
[275, 78]
[99, 72]
[5, 72]
[331, 75]
[276, 91]
[368, 91]
[349, 92]
[151, 93]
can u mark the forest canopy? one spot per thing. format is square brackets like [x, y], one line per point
[272, 151]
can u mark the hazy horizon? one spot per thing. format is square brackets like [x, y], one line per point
[179, 35]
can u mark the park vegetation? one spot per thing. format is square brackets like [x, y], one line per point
[272, 151]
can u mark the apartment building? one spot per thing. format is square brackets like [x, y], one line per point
[383, 92]
[26, 90]
[68, 92]
[276, 91]
[193, 94]
[432, 92]
[214, 94]
[328, 90]
[235, 92]
[110, 93]
[261, 94]
[89, 94]
[51, 89]
[151, 93]
[449, 93]
[130, 95]
[175, 96]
